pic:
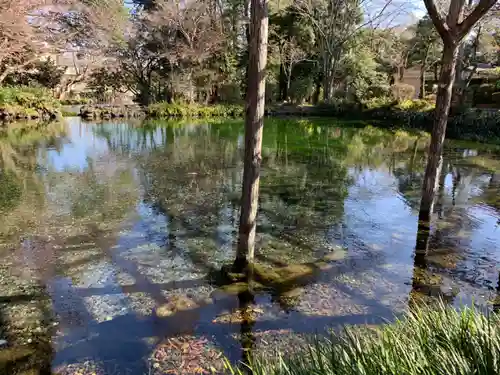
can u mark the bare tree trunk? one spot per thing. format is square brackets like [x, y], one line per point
[317, 91]
[4, 75]
[421, 94]
[254, 123]
[288, 82]
[443, 103]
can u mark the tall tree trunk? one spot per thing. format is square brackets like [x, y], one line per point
[317, 91]
[282, 83]
[421, 93]
[254, 123]
[288, 82]
[402, 71]
[4, 75]
[443, 103]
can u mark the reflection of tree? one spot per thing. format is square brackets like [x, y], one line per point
[22, 197]
[444, 242]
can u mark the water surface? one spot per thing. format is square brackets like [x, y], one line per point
[111, 235]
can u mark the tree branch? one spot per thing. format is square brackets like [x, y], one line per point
[438, 21]
[479, 11]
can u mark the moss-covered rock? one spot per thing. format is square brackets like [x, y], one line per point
[97, 112]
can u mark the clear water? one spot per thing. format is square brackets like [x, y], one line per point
[111, 234]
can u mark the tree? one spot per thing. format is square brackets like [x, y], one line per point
[24, 33]
[426, 49]
[452, 30]
[254, 123]
[336, 23]
[89, 27]
[479, 47]
[39, 73]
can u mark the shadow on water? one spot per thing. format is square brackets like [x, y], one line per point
[128, 230]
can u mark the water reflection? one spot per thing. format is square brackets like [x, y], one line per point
[121, 231]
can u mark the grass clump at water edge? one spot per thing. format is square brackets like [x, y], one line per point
[426, 341]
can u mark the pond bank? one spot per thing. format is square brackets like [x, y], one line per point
[27, 103]
[473, 124]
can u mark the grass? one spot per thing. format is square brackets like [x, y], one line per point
[427, 341]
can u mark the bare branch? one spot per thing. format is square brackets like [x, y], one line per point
[439, 23]
[479, 11]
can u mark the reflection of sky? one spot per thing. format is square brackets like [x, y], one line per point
[379, 220]
[377, 216]
[82, 144]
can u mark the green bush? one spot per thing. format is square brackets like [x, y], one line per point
[79, 101]
[496, 97]
[381, 102]
[230, 93]
[415, 105]
[483, 93]
[18, 102]
[301, 89]
[426, 341]
[27, 97]
[163, 109]
[402, 91]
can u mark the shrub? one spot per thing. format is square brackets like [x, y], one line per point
[415, 105]
[75, 101]
[379, 91]
[496, 97]
[431, 98]
[272, 92]
[425, 341]
[27, 97]
[338, 107]
[483, 93]
[402, 91]
[381, 102]
[300, 90]
[163, 109]
[230, 93]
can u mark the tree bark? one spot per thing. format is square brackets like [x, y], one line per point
[254, 123]
[402, 71]
[317, 91]
[443, 103]
[421, 94]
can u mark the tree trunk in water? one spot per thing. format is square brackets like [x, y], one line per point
[443, 103]
[254, 122]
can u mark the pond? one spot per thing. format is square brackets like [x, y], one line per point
[111, 235]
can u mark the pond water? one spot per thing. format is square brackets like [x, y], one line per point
[111, 235]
